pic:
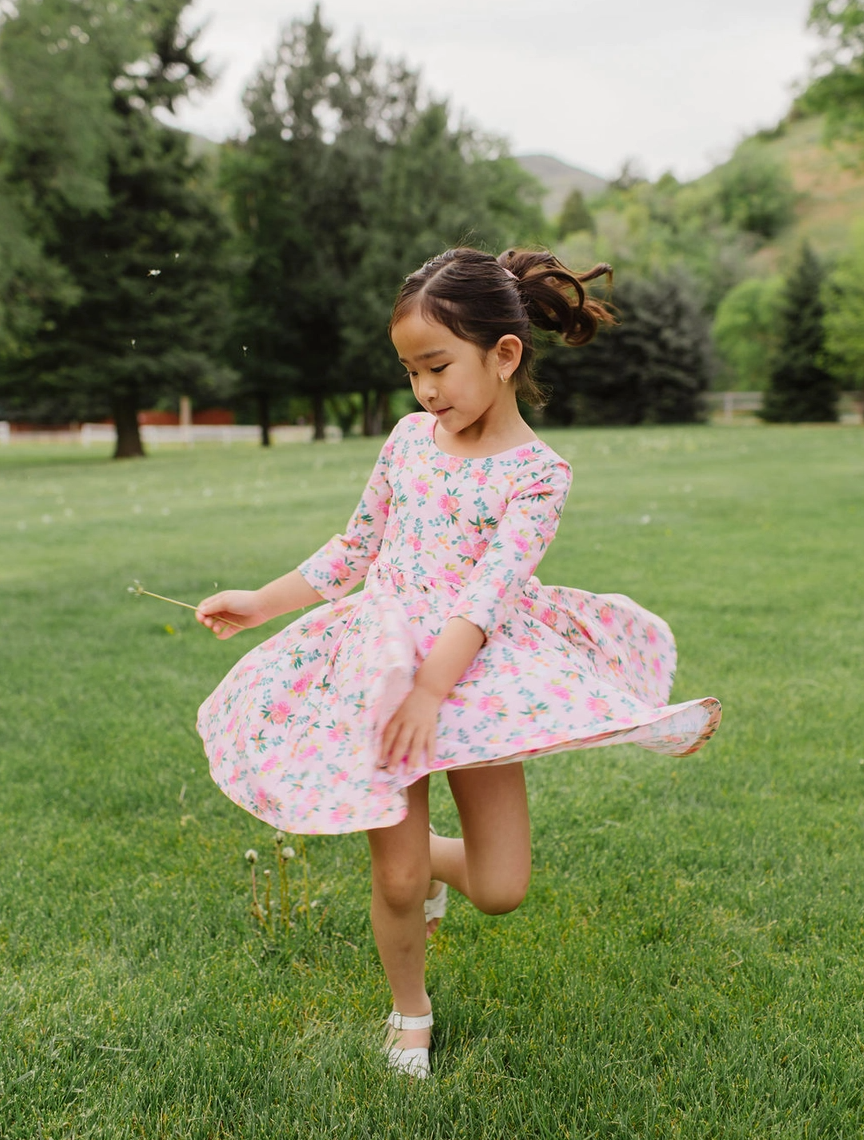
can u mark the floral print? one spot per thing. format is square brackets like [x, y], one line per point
[293, 733]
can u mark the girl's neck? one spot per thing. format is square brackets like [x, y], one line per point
[488, 441]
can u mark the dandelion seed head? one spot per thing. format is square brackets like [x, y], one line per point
[251, 855]
[288, 852]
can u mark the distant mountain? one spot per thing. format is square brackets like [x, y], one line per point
[559, 179]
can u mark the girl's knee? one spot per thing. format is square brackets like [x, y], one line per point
[400, 886]
[500, 898]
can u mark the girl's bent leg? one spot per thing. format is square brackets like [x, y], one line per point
[400, 880]
[491, 864]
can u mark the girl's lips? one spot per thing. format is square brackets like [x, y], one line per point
[440, 411]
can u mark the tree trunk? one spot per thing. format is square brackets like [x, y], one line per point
[382, 409]
[264, 418]
[125, 414]
[318, 415]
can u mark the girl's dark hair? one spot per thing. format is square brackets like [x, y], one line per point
[481, 298]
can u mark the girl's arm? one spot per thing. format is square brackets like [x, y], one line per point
[411, 730]
[325, 576]
[245, 609]
[495, 583]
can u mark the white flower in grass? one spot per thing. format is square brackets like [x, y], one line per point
[251, 855]
[287, 853]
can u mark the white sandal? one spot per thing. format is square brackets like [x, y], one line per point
[436, 907]
[412, 1062]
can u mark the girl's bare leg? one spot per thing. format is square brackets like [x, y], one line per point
[400, 883]
[491, 864]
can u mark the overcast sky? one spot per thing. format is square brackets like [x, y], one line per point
[672, 84]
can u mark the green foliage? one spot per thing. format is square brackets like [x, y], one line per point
[665, 227]
[575, 215]
[843, 298]
[746, 332]
[838, 89]
[117, 214]
[346, 184]
[653, 367]
[801, 388]
[687, 962]
[754, 191]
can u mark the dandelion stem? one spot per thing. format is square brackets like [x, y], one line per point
[139, 590]
[305, 883]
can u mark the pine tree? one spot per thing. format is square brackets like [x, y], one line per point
[801, 389]
[575, 215]
[140, 242]
[652, 367]
[346, 184]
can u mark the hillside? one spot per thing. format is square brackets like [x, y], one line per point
[830, 182]
[559, 179]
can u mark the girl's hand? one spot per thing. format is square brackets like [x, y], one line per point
[240, 607]
[411, 731]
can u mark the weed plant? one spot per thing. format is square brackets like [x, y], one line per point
[688, 962]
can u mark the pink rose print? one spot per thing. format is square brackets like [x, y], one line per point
[597, 705]
[491, 703]
[278, 712]
[301, 685]
[606, 616]
[271, 762]
[339, 569]
[337, 732]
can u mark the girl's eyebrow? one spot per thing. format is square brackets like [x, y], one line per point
[425, 355]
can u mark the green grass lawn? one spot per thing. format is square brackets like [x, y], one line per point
[690, 959]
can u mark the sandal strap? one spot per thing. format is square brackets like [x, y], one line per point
[400, 1021]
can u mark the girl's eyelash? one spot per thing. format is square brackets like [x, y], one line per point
[439, 368]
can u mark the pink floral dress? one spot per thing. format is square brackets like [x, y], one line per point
[293, 732]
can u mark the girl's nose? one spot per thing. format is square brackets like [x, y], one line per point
[428, 390]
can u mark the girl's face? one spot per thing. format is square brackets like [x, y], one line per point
[454, 379]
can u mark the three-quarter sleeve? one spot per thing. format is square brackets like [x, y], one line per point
[342, 562]
[520, 540]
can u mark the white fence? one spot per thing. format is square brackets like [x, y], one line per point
[725, 407]
[154, 435]
[729, 406]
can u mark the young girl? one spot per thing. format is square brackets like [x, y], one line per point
[453, 657]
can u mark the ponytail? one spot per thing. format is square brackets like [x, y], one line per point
[554, 296]
[480, 298]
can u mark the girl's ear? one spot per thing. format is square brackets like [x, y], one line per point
[508, 352]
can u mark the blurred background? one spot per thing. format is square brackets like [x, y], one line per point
[206, 209]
